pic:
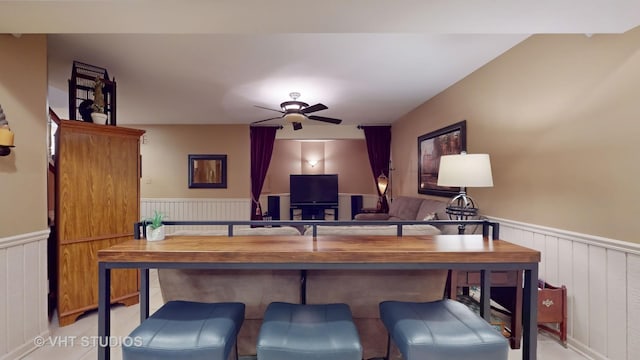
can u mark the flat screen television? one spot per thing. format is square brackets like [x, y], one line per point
[313, 189]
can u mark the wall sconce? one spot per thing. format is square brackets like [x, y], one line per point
[312, 162]
[6, 136]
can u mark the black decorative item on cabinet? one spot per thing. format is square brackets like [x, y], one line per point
[82, 88]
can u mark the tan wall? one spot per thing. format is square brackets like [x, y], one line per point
[165, 154]
[349, 159]
[285, 160]
[346, 157]
[559, 116]
[311, 151]
[23, 96]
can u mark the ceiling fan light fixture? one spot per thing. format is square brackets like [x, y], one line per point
[295, 112]
[294, 117]
[293, 105]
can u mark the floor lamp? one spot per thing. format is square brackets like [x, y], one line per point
[464, 170]
[383, 182]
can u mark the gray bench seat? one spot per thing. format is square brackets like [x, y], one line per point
[441, 330]
[186, 330]
[309, 332]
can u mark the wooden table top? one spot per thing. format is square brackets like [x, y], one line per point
[360, 249]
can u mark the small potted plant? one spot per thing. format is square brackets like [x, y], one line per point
[155, 228]
[98, 115]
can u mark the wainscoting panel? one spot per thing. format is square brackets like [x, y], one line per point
[598, 298]
[4, 322]
[177, 209]
[23, 281]
[188, 209]
[633, 294]
[616, 295]
[580, 286]
[602, 277]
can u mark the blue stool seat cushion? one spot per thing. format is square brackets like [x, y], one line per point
[186, 330]
[441, 330]
[309, 332]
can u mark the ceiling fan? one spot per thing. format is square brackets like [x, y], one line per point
[297, 111]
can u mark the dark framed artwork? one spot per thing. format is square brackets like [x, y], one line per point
[207, 171]
[446, 141]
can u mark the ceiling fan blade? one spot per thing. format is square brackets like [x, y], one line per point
[313, 108]
[261, 121]
[325, 119]
[266, 108]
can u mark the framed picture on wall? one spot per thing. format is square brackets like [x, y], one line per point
[207, 171]
[449, 140]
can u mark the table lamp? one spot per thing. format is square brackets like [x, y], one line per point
[6, 136]
[464, 170]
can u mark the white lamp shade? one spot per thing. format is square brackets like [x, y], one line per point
[465, 170]
[294, 117]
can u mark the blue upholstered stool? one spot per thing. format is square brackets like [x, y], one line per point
[308, 332]
[186, 330]
[441, 330]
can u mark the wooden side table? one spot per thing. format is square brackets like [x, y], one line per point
[506, 290]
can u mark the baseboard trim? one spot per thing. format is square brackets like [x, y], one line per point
[584, 350]
[25, 349]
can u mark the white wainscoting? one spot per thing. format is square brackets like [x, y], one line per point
[196, 209]
[23, 292]
[602, 277]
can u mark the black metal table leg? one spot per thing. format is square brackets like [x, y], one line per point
[104, 311]
[530, 314]
[144, 294]
[485, 295]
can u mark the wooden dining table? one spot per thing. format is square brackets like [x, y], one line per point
[461, 252]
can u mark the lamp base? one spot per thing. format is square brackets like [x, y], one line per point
[461, 207]
[5, 150]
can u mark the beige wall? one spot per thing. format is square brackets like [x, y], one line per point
[23, 96]
[165, 150]
[349, 159]
[285, 160]
[165, 154]
[559, 116]
[346, 157]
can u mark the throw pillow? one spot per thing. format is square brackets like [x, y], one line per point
[430, 216]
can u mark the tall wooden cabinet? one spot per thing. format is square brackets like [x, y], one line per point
[97, 203]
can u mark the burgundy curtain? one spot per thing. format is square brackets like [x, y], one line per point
[262, 140]
[379, 148]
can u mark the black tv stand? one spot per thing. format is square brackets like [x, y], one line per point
[313, 211]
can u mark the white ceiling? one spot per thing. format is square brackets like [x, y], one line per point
[369, 61]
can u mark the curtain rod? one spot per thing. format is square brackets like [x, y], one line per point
[280, 127]
[364, 126]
